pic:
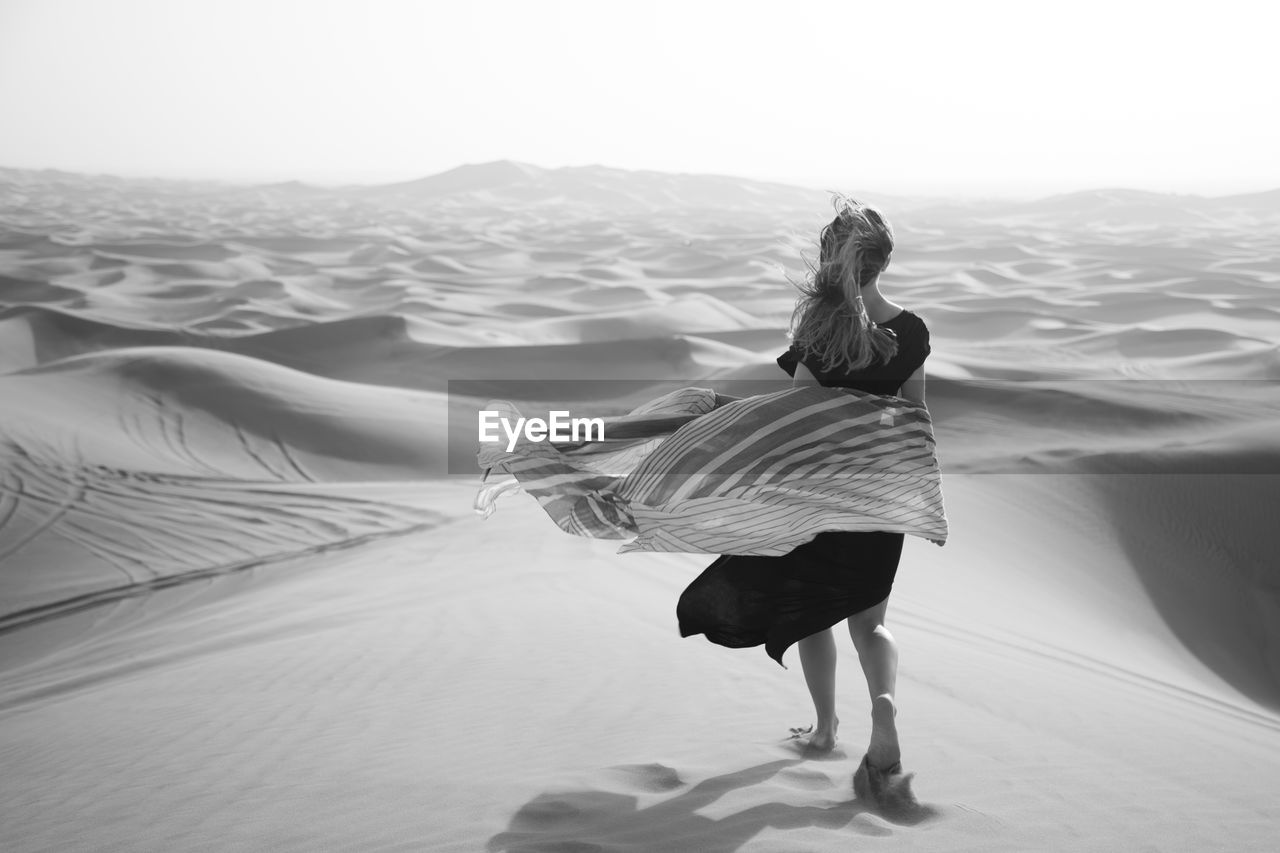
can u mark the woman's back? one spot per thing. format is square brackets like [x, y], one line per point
[885, 379]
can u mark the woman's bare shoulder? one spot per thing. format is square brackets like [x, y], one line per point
[888, 311]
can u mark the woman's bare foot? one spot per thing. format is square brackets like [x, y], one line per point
[883, 752]
[817, 739]
[889, 791]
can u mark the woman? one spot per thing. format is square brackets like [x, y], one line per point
[845, 333]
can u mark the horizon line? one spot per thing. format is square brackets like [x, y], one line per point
[791, 183]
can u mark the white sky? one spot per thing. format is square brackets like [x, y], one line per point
[891, 96]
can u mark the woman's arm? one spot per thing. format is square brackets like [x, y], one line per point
[912, 389]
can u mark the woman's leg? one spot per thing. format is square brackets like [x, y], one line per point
[818, 659]
[878, 654]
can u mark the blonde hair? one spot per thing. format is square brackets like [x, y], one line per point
[830, 320]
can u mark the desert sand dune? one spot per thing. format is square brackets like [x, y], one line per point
[175, 407]
[245, 602]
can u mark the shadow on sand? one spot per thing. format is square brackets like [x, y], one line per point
[587, 821]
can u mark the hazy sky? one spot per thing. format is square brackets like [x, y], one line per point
[893, 96]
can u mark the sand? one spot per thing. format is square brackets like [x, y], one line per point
[245, 603]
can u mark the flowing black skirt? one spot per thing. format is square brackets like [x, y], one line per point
[741, 601]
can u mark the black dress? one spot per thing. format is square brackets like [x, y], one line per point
[740, 601]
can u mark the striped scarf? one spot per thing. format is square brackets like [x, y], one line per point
[696, 472]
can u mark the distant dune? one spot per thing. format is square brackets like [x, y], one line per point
[245, 602]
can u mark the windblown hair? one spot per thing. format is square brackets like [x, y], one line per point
[830, 320]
